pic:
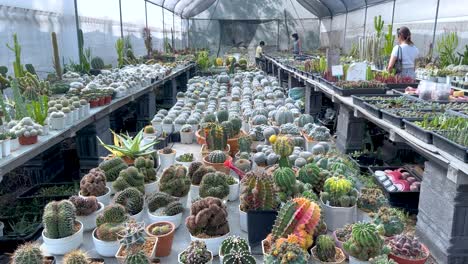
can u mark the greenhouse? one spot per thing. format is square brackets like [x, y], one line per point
[234, 131]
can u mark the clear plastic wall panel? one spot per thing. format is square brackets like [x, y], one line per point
[155, 23]
[354, 29]
[100, 22]
[307, 29]
[55, 6]
[332, 32]
[204, 34]
[420, 21]
[133, 19]
[453, 17]
[33, 26]
[384, 10]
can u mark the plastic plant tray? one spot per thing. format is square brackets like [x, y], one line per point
[398, 120]
[360, 99]
[349, 92]
[418, 132]
[458, 151]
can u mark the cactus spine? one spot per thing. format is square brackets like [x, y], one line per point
[239, 257]
[217, 156]
[28, 253]
[129, 177]
[215, 137]
[244, 144]
[174, 181]
[214, 184]
[17, 66]
[132, 199]
[285, 180]
[258, 192]
[112, 168]
[365, 242]
[75, 257]
[326, 249]
[59, 219]
[233, 243]
[137, 258]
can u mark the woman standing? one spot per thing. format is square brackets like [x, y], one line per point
[403, 55]
[297, 46]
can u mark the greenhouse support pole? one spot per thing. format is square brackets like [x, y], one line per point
[121, 23]
[345, 28]
[173, 31]
[393, 11]
[146, 14]
[277, 34]
[435, 28]
[77, 22]
[365, 20]
[188, 33]
[164, 28]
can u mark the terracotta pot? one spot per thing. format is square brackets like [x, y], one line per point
[200, 139]
[107, 99]
[27, 140]
[164, 245]
[218, 166]
[128, 160]
[340, 257]
[101, 101]
[205, 151]
[402, 260]
[94, 103]
[234, 144]
[121, 257]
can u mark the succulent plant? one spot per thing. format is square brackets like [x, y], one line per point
[217, 156]
[145, 166]
[149, 130]
[186, 128]
[59, 219]
[344, 234]
[75, 257]
[110, 222]
[326, 250]
[167, 150]
[196, 253]
[208, 217]
[28, 253]
[285, 181]
[158, 200]
[245, 143]
[233, 243]
[284, 147]
[173, 208]
[258, 192]
[133, 235]
[161, 229]
[365, 242]
[243, 164]
[391, 219]
[138, 257]
[85, 205]
[304, 119]
[215, 137]
[174, 181]
[93, 183]
[222, 116]
[130, 177]
[214, 184]
[112, 168]
[285, 251]
[406, 246]
[236, 125]
[283, 116]
[312, 174]
[339, 192]
[239, 256]
[382, 259]
[371, 199]
[131, 198]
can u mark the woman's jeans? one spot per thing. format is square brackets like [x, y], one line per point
[408, 72]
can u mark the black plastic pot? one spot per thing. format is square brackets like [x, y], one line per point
[418, 132]
[458, 151]
[364, 161]
[9, 243]
[162, 142]
[259, 225]
[94, 72]
[175, 137]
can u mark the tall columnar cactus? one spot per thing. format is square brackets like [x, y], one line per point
[284, 147]
[17, 66]
[93, 183]
[129, 177]
[228, 129]
[208, 217]
[112, 168]
[214, 184]
[258, 192]
[391, 219]
[76, 257]
[339, 191]
[174, 181]
[285, 251]
[239, 256]
[298, 216]
[137, 258]
[57, 64]
[233, 243]
[365, 242]
[146, 167]
[59, 219]
[245, 143]
[110, 222]
[378, 25]
[285, 180]
[217, 156]
[236, 125]
[222, 115]
[313, 175]
[84, 205]
[30, 68]
[215, 137]
[132, 199]
[326, 250]
[28, 253]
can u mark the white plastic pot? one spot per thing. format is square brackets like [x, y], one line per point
[140, 216]
[337, 217]
[105, 248]
[175, 219]
[147, 140]
[209, 262]
[221, 257]
[212, 244]
[104, 199]
[109, 185]
[233, 191]
[76, 114]
[69, 119]
[6, 147]
[61, 246]
[89, 221]
[186, 164]
[82, 111]
[45, 130]
[194, 192]
[353, 260]
[183, 201]
[157, 126]
[57, 123]
[166, 160]
[14, 144]
[177, 127]
[151, 187]
[186, 137]
[167, 128]
[243, 220]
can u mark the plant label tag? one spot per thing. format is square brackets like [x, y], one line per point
[337, 70]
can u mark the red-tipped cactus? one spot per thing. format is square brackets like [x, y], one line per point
[258, 192]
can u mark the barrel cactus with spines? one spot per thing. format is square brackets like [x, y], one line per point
[132, 199]
[236, 125]
[285, 251]
[233, 243]
[228, 129]
[285, 180]
[284, 116]
[283, 146]
[326, 250]
[59, 219]
[209, 118]
[75, 257]
[28, 253]
[214, 184]
[365, 242]
[304, 119]
[97, 63]
[245, 142]
[215, 137]
[312, 174]
[239, 257]
[222, 115]
[259, 120]
[391, 219]
[258, 192]
[217, 156]
[137, 258]
[339, 192]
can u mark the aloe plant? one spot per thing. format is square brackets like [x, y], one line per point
[446, 46]
[126, 146]
[37, 110]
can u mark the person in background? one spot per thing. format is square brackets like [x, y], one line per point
[406, 52]
[297, 46]
[259, 54]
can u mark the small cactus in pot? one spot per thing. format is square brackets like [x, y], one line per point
[214, 184]
[365, 242]
[406, 246]
[28, 253]
[217, 156]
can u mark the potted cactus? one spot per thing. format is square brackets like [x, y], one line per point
[157, 123]
[185, 159]
[214, 227]
[132, 199]
[406, 249]
[80, 257]
[391, 219]
[146, 167]
[179, 122]
[315, 134]
[164, 231]
[338, 202]
[112, 168]
[245, 143]
[215, 138]
[167, 126]
[365, 243]
[27, 131]
[196, 253]
[216, 159]
[149, 131]
[233, 245]
[94, 184]
[166, 157]
[175, 182]
[5, 145]
[57, 120]
[133, 241]
[62, 232]
[164, 208]
[285, 182]
[197, 170]
[214, 184]
[258, 205]
[84, 108]
[371, 199]
[284, 251]
[30, 253]
[325, 251]
[129, 177]
[341, 235]
[284, 147]
[186, 134]
[87, 210]
[109, 223]
[68, 116]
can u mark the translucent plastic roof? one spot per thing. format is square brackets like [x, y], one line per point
[184, 8]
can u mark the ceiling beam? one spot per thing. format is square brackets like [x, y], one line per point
[327, 7]
[345, 5]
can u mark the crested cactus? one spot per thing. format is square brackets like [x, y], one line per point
[85, 205]
[215, 137]
[339, 192]
[365, 242]
[236, 125]
[391, 219]
[137, 258]
[59, 219]
[214, 184]
[233, 243]
[93, 183]
[222, 115]
[173, 208]
[300, 217]
[407, 246]
[312, 174]
[326, 250]
[196, 253]
[109, 231]
[239, 257]
[158, 200]
[208, 217]
[284, 147]
[174, 181]
[146, 167]
[217, 156]
[131, 198]
[75, 257]
[130, 177]
[245, 142]
[28, 253]
[285, 251]
[112, 168]
[258, 192]
[285, 180]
